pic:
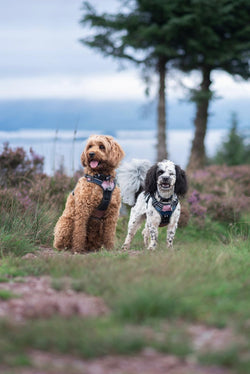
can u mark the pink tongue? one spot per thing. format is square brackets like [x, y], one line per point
[94, 164]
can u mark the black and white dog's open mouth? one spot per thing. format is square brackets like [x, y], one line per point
[165, 186]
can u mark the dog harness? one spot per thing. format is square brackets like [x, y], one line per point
[108, 184]
[165, 207]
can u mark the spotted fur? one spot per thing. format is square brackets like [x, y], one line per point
[163, 180]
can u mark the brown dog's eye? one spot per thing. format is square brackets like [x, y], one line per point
[90, 146]
[101, 146]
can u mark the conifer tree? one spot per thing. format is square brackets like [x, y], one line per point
[145, 32]
[203, 35]
[218, 39]
[233, 150]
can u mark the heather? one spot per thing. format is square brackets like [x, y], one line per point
[30, 201]
[221, 193]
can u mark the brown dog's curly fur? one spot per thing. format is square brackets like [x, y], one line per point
[76, 229]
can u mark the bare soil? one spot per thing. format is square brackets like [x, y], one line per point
[35, 298]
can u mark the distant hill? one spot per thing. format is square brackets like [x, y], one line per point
[110, 116]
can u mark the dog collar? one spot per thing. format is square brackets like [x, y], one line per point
[163, 199]
[107, 182]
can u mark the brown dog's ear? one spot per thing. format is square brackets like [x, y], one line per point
[116, 151]
[83, 159]
[119, 153]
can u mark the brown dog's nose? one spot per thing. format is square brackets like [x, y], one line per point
[91, 154]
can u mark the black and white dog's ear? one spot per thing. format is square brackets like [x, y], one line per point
[151, 180]
[181, 185]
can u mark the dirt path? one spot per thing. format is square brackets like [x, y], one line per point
[147, 362]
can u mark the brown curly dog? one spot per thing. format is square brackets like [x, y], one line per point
[92, 209]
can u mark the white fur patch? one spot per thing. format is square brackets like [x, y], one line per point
[131, 176]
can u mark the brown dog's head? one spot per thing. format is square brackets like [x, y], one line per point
[102, 154]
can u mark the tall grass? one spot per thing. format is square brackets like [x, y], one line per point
[23, 230]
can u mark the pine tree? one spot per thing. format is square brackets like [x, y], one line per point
[219, 39]
[233, 151]
[146, 32]
[203, 35]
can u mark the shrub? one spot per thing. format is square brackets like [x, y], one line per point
[220, 191]
[233, 150]
[30, 201]
[16, 166]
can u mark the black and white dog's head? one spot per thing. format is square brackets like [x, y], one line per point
[166, 178]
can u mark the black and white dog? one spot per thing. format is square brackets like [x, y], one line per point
[154, 193]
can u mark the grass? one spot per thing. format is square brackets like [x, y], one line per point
[88, 338]
[6, 295]
[208, 284]
[22, 231]
[205, 280]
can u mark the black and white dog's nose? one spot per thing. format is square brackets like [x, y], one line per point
[91, 154]
[165, 179]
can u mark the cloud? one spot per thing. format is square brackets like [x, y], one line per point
[42, 58]
[117, 86]
[229, 88]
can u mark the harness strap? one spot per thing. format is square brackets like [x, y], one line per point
[165, 208]
[108, 185]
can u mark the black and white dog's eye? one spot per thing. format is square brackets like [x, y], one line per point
[160, 172]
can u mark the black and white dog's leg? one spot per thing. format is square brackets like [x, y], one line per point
[135, 221]
[152, 224]
[146, 236]
[172, 226]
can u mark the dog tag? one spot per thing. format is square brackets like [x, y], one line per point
[107, 185]
[166, 208]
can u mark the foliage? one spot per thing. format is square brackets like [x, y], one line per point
[219, 192]
[218, 38]
[187, 35]
[146, 32]
[234, 150]
[16, 166]
[30, 201]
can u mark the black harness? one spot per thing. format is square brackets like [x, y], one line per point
[165, 207]
[108, 184]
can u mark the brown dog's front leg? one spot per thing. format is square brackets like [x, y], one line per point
[109, 227]
[64, 227]
[79, 235]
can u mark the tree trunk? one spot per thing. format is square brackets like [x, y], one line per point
[198, 153]
[161, 111]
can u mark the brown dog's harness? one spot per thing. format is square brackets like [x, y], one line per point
[108, 184]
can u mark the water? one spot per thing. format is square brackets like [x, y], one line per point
[63, 148]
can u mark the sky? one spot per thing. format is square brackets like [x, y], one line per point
[41, 58]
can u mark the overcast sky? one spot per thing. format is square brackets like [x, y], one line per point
[41, 57]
